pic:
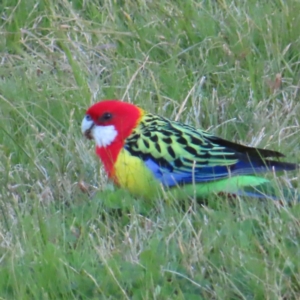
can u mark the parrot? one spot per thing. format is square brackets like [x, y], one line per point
[146, 154]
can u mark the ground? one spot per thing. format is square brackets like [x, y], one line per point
[229, 67]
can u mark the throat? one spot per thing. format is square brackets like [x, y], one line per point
[108, 156]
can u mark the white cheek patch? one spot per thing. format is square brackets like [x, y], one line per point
[104, 135]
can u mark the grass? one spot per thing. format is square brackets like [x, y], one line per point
[230, 67]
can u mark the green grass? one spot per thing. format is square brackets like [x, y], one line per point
[60, 240]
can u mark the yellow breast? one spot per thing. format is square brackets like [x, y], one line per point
[133, 175]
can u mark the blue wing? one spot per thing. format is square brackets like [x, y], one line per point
[173, 176]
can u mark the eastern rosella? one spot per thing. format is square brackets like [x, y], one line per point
[144, 152]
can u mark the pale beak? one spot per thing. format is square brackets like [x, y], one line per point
[87, 126]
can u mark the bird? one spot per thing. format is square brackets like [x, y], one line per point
[146, 153]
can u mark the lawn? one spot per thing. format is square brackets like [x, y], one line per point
[229, 67]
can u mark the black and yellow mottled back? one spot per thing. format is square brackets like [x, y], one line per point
[178, 153]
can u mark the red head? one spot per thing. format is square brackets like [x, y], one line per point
[109, 123]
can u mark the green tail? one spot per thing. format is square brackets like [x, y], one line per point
[249, 186]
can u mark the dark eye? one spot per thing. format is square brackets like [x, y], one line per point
[105, 117]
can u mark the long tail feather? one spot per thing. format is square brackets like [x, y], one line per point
[255, 167]
[249, 186]
[268, 191]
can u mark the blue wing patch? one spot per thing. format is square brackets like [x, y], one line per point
[171, 177]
